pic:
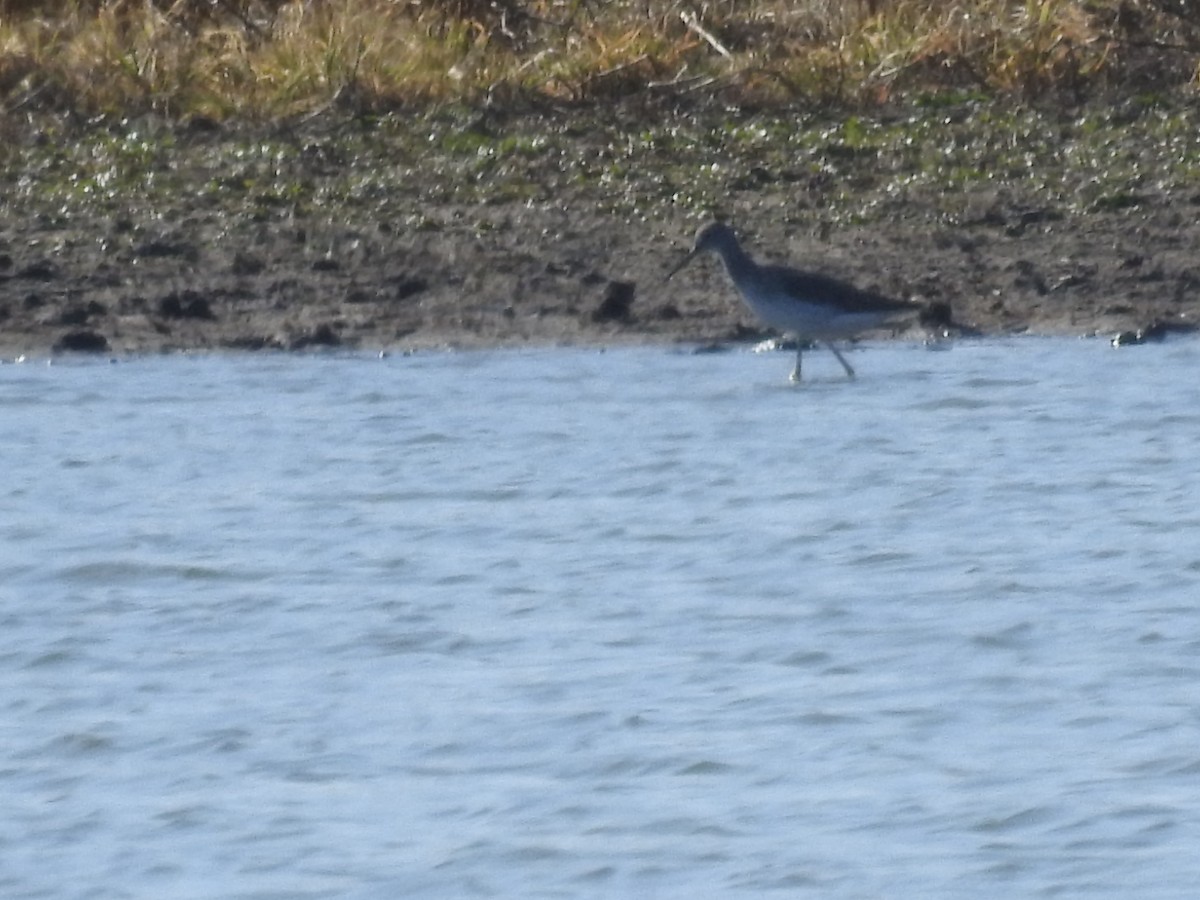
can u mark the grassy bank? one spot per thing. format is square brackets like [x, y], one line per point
[850, 170]
[262, 59]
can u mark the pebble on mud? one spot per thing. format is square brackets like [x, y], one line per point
[81, 342]
[323, 335]
[185, 305]
[616, 304]
[1155, 331]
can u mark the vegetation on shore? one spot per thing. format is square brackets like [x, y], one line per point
[865, 110]
[222, 172]
[852, 170]
[267, 59]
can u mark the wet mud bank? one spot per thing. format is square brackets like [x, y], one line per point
[452, 230]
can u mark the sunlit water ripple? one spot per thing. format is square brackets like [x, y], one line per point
[571, 623]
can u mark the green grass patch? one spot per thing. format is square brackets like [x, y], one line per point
[407, 170]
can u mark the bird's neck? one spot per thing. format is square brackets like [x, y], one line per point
[737, 261]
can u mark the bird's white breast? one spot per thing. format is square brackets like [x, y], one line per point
[808, 317]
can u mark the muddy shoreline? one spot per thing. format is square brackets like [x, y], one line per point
[145, 237]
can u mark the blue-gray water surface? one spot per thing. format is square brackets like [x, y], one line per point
[570, 623]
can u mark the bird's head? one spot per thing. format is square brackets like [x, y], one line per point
[714, 236]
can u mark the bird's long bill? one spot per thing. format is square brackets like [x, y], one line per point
[687, 259]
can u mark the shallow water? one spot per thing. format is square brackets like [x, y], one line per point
[632, 623]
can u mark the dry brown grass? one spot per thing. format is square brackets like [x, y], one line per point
[264, 58]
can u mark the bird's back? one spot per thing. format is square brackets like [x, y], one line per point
[814, 305]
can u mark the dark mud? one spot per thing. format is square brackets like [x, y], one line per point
[453, 231]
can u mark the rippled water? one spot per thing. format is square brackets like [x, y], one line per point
[634, 623]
